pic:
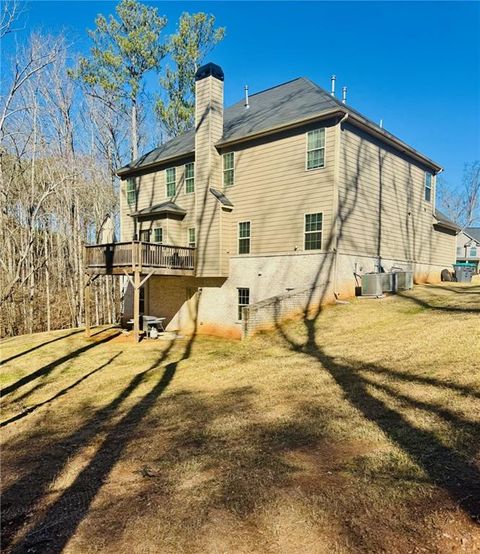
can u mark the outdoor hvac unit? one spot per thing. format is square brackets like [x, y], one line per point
[372, 284]
[388, 282]
[403, 280]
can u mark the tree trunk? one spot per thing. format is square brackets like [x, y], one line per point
[134, 130]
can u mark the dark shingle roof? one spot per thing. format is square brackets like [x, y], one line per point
[168, 207]
[221, 198]
[270, 109]
[474, 232]
[445, 221]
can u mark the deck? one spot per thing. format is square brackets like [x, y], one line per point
[136, 256]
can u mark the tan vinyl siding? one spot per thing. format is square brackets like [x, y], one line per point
[209, 124]
[151, 190]
[273, 190]
[382, 204]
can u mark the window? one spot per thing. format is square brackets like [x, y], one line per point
[243, 300]
[473, 251]
[313, 231]
[316, 149]
[190, 178]
[244, 237]
[191, 237]
[228, 169]
[170, 180]
[158, 234]
[428, 187]
[131, 192]
[145, 235]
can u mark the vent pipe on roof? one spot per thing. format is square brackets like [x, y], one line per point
[247, 105]
[344, 95]
[381, 124]
[333, 85]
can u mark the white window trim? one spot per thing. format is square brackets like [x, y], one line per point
[185, 177]
[324, 150]
[425, 187]
[310, 232]
[174, 182]
[249, 238]
[243, 305]
[188, 236]
[154, 229]
[135, 192]
[224, 170]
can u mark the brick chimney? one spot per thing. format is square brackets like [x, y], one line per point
[208, 168]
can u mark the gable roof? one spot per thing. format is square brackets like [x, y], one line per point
[445, 221]
[167, 207]
[286, 105]
[473, 232]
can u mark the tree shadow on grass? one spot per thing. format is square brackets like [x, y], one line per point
[42, 468]
[466, 301]
[41, 345]
[44, 371]
[59, 394]
[444, 466]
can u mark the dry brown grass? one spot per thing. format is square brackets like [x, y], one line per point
[357, 432]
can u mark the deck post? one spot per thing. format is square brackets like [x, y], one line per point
[136, 304]
[87, 306]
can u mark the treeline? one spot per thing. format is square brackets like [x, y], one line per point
[67, 123]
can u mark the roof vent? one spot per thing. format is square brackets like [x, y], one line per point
[209, 70]
[344, 95]
[247, 105]
[334, 78]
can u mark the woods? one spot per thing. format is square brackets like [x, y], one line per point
[67, 123]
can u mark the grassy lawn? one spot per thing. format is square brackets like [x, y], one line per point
[358, 431]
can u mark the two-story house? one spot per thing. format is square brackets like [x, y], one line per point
[468, 246]
[285, 190]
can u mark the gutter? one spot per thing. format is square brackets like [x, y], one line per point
[338, 148]
[128, 170]
[356, 120]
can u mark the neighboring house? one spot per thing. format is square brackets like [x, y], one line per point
[289, 190]
[468, 246]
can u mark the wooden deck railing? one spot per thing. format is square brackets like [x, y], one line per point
[137, 254]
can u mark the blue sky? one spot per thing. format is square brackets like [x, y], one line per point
[416, 65]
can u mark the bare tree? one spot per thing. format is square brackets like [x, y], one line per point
[462, 204]
[10, 11]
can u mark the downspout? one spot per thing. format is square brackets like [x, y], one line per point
[337, 202]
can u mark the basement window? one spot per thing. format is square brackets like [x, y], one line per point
[428, 187]
[313, 231]
[244, 237]
[170, 181]
[316, 149]
[229, 169]
[243, 300]
[131, 192]
[190, 178]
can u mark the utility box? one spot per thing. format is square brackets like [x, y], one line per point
[372, 284]
[403, 280]
[388, 282]
[464, 272]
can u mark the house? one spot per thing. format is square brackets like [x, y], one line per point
[285, 191]
[468, 246]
